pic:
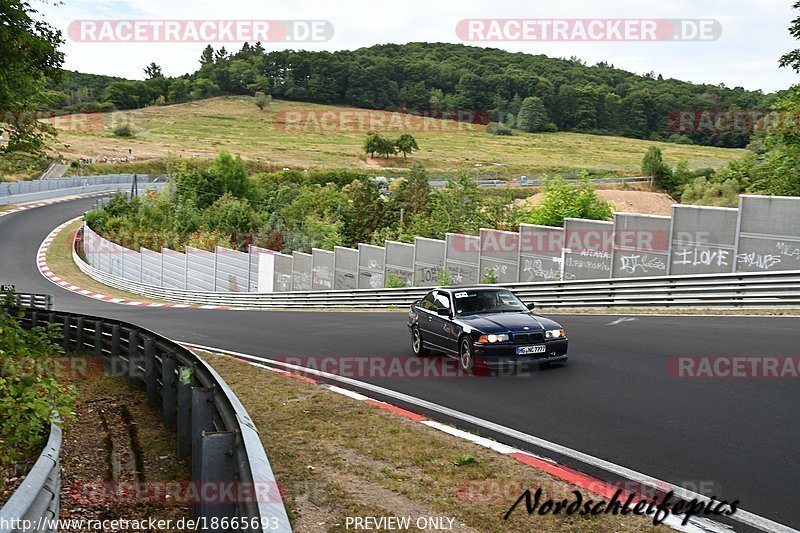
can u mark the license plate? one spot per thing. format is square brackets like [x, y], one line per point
[526, 350]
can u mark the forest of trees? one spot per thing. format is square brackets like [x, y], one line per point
[523, 91]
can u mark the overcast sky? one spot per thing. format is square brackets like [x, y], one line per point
[754, 34]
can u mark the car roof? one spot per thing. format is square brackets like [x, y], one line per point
[451, 288]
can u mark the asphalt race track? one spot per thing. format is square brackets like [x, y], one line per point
[614, 400]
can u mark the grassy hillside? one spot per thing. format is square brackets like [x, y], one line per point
[202, 128]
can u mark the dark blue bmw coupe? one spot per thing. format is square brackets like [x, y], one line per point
[484, 326]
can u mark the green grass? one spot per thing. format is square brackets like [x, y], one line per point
[200, 129]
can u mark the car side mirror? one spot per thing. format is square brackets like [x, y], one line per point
[530, 306]
[443, 312]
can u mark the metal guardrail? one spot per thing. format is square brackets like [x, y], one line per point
[38, 301]
[742, 289]
[37, 500]
[213, 427]
[36, 186]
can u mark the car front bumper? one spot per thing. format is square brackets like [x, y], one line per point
[504, 354]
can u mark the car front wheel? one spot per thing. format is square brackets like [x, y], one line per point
[465, 359]
[416, 343]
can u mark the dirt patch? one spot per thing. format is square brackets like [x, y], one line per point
[626, 201]
[116, 454]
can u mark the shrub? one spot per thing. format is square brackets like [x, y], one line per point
[124, 130]
[496, 128]
[702, 191]
[563, 200]
[29, 395]
[393, 281]
[444, 278]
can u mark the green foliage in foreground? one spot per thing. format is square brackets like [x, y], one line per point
[29, 392]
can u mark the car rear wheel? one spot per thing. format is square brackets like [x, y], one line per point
[465, 359]
[416, 343]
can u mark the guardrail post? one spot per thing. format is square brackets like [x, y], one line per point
[79, 324]
[202, 421]
[65, 333]
[168, 388]
[133, 357]
[217, 466]
[151, 380]
[98, 338]
[185, 374]
[34, 318]
[115, 336]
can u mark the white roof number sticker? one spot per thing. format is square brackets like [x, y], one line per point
[460, 295]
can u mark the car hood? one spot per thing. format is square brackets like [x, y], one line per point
[513, 322]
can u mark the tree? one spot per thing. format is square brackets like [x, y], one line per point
[792, 59]
[652, 162]
[127, 94]
[661, 174]
[532, 115]
[203, 88]
[220, 55]
[207, 58]
[262, 100]
[455, 209]
[375, 142]
[153, 71]
[179, 90]
[29, 55]
[386, 147]
[413, 195]
[365, 212]
[406, 144]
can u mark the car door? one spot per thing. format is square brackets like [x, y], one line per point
[425, 312]
[442, 329]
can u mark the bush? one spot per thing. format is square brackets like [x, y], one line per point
[444, 278]
[496, 128]
[393, 281]
[679, 138]
[124, 130]
[702, 191]
[28, 165]
[29, 394]
[563, 200]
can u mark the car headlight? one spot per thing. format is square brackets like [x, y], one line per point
[488, 339]
[554, 334]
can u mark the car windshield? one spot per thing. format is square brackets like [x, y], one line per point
[485, 301]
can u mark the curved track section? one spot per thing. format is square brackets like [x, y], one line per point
[615, 400]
